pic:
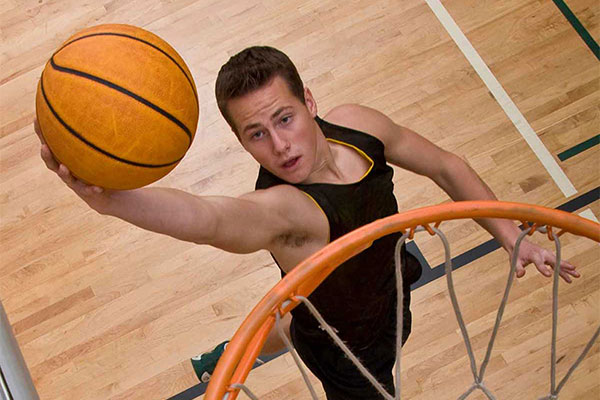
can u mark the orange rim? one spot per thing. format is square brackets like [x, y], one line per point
[305, 277]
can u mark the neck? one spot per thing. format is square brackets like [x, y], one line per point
[326, 168]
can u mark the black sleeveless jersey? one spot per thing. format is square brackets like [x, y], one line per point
[357, 296]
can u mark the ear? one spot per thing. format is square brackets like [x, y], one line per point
[310, 102]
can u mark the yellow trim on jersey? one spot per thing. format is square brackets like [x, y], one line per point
[319, 206]
[362, 153]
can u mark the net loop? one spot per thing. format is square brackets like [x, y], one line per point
[532, 228]
[411, 232]
[549, 233]
[238, 387]
[287, 305]
[417, 228]
[429, 229]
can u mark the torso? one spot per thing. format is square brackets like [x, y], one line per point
[363, 194]
[294, 247]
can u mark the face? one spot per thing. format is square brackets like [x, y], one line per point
[278, 130]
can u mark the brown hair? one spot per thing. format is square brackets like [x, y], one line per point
[250, 70]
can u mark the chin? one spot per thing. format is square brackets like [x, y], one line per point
[292, 178]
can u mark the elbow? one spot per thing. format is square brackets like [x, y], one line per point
[203, 222]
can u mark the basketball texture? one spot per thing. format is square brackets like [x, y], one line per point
[118, 106]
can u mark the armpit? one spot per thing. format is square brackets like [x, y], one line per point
[294, 239]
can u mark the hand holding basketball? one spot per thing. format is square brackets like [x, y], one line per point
[95, 196]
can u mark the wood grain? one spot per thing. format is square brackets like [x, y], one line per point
[103, 310]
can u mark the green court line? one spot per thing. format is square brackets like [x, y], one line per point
[585, 35]
[573, 151]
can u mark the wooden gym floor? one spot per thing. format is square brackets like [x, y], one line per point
[103, 310]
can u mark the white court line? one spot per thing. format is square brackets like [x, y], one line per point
[589, 214]
[509, 107]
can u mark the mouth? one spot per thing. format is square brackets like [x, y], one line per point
[291, 163]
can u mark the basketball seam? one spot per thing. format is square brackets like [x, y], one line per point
[129, 93]
[141, 41]
[92, 145]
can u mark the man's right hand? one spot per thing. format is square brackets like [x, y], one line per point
[95, 196]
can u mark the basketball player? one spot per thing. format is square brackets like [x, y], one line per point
[319, 179]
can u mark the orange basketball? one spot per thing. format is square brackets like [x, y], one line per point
[118, 106]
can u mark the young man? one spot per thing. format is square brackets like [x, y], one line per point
[319, 179]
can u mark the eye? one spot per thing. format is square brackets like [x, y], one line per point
[257, 135]
[286, 119]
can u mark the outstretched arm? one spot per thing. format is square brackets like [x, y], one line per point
[407, 149]
[245, 224]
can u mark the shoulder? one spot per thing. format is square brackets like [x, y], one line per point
[364, 119]
[279, 198]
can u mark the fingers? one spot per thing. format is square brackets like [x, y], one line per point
[566, 277]
[567, 270]
[565, 274]
[545, 262]
[541, 260]
[92, 190]
[63, 172]
[45, 152]
[520, 270]
[76, 185]
[48, 158]
[38, 130]
[65, 175]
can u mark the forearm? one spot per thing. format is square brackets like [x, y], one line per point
[462, 183]
[168, 211]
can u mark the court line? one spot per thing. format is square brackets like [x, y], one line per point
[573, 151]
[509, 107]
[430, 274]
[589, 214]
[578, 26]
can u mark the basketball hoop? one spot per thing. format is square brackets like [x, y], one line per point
[240, 354]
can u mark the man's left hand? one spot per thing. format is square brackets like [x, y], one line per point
[544, 261]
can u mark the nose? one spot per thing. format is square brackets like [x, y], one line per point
[281, 143]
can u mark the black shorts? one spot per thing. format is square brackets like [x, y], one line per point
[340, 378]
